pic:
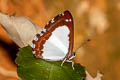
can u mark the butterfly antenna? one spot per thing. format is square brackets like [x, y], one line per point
[82, 44]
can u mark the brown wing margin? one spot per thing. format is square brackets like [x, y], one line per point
[64, 18]
[60, 20]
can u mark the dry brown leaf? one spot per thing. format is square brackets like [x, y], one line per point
[8, 73]
[20, 29]
[89, 77]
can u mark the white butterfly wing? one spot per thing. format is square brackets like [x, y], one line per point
[56, 47]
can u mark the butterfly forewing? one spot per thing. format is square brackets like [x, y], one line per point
[55, 42]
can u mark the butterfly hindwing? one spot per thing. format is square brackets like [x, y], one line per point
[55, 42]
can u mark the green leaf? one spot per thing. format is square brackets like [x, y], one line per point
[30, 68]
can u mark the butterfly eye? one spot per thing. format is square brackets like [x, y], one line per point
[74, 54]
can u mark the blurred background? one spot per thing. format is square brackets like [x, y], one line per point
[94, 19]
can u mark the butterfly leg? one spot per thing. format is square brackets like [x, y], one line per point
[63, 61]
[69, 60]
[72, 63]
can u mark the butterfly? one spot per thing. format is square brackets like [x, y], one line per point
[55, 41]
